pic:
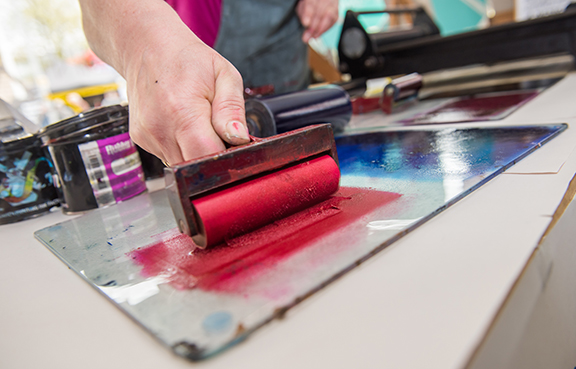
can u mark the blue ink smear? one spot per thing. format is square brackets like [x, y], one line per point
[437, 154]
[217, 322]
[109, 243]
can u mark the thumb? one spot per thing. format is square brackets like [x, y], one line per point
[228, 114]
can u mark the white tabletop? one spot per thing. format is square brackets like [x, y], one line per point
[425, 302]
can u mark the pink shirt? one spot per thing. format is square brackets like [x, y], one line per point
[201, 16]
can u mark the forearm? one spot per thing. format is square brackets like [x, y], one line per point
[121, 31]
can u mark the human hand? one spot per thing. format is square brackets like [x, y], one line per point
[184, 101]
[317, 16]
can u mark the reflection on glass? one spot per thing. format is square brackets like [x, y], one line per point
[390, 224]
[134, 293]
[446, 160]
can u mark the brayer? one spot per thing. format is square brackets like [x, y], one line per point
[233, 192]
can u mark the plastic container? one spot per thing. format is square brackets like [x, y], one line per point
[26, 184]
[96, 162]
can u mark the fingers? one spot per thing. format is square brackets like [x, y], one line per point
[189, 142]
[306, 10]
[196, 137]
[228, 114]
[177, 130]
[327, 21]
[317, 16]
[139, 133]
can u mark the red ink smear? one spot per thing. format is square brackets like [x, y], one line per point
[229, 267]
[236, 126]
[480, 107]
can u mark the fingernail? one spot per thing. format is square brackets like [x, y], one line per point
[236, 133]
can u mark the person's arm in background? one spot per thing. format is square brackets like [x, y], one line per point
[184, 98]
[317, 16]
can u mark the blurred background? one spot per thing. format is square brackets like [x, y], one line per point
[48, 72]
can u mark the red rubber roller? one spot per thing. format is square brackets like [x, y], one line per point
[241, 189]
[255, 203]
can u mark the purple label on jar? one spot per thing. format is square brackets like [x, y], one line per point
[114, 169]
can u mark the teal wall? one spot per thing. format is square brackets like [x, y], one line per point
[451, 16]
[456, 16]
[331, 37]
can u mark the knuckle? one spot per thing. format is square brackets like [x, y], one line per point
[230, 105]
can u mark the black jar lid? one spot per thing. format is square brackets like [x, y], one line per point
[18, 141]
[83, 122]
[98, 131]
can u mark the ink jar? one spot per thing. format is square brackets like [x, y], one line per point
[96, 162]
[26, 187]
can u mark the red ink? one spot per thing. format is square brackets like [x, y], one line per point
[229, 267]
[236, 126]
[361, 105]
[253, 204]
[474, 108]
